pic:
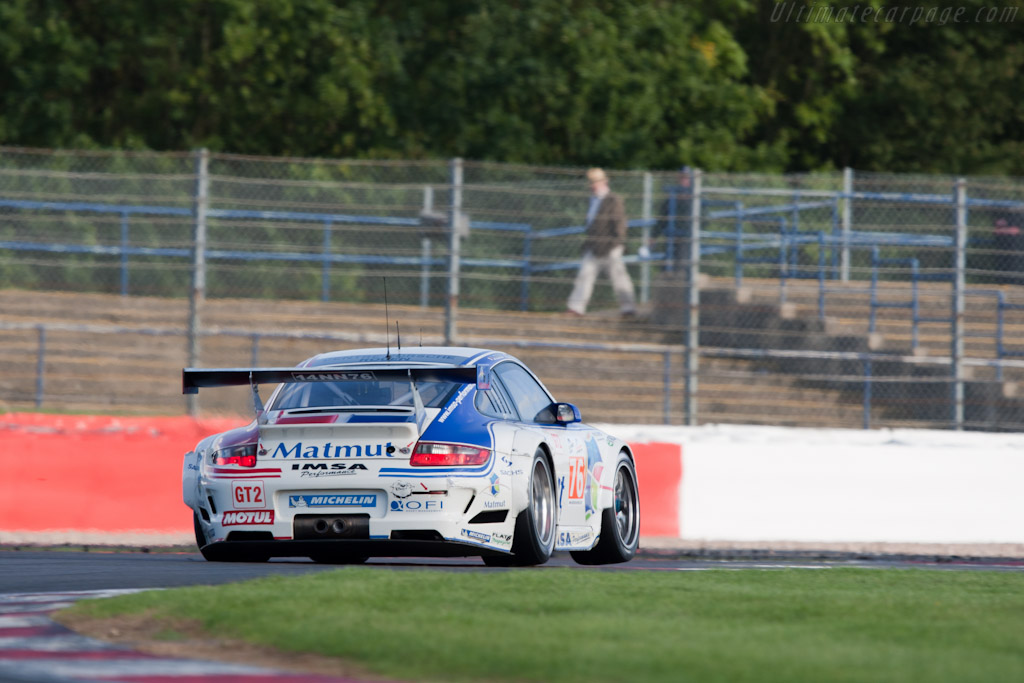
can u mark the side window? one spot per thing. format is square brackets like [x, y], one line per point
[494, 402]
[529, 397]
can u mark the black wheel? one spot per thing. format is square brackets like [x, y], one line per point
[220, 553]
[534, 539]
[620, 523]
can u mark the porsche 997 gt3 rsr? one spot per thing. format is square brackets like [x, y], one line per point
[436, 451]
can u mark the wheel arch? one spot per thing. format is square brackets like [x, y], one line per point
[607, 498]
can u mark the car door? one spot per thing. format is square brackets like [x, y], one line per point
[537, 424]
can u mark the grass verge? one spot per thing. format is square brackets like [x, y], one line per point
[561, 625]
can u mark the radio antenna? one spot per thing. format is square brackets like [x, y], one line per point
[398, 333]
[387, 321]
[421, 336]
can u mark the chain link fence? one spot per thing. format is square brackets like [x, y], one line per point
[826, 299]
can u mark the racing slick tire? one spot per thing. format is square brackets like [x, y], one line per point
[620, 523]
[534, 538]
[222, 554]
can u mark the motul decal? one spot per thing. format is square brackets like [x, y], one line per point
[255, 517]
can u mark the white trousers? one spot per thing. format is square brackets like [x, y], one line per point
[612, 264]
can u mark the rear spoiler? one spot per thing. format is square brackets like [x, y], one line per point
[193, 379]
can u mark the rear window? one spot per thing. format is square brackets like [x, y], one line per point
[376, 393]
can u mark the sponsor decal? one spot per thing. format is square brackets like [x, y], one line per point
[456, 402]
[501, 539]
[323, 469]
[593, 473]
[495, 485]
[416, 505]
[492, 504]
[510, 469]
[574, 538]
[257, 517]
[329, 450]
[401, 489]
[476, 535]
[358, 500]
[248, 495]
[577, 478]
[332, 376]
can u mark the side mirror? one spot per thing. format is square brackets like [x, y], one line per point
[567, 413]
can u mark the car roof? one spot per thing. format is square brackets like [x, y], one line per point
[426, 355]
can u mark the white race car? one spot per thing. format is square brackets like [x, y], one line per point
[436, 451]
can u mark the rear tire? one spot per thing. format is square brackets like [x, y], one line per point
[534, 538]
[620, 523]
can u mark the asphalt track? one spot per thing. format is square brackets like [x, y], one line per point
[33, 583]
[29, 571]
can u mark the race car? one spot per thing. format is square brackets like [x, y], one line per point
[434, 451]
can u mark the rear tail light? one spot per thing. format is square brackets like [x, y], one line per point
[243, 456]
[433, 454]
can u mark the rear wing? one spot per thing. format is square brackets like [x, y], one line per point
[193, 379]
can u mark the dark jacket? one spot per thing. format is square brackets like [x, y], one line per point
[608, 229]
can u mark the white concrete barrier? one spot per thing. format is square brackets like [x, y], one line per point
[765, 484]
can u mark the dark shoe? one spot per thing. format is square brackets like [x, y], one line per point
[573, 314]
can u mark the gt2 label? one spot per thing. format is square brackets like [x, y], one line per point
[577, 478]
[236, 518]
[248, 495]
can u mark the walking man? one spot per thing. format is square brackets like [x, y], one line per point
[603, 248]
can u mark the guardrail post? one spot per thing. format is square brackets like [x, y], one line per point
[198, 291]
[844, 256]
[959, 284]
[646, 213]
[40, 364]
[692, 352]
[451, 308]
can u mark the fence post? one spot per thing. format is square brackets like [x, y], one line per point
[124, 253]
[451, 307]
[40, 364]
[198, 291]
[325, 273]
[959, 283]
[844, 256]
[646, 213]
[693, 304]
[428, 207]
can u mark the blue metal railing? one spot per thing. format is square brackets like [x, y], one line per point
[780, 247]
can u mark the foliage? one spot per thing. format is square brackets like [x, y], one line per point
[729, 85]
